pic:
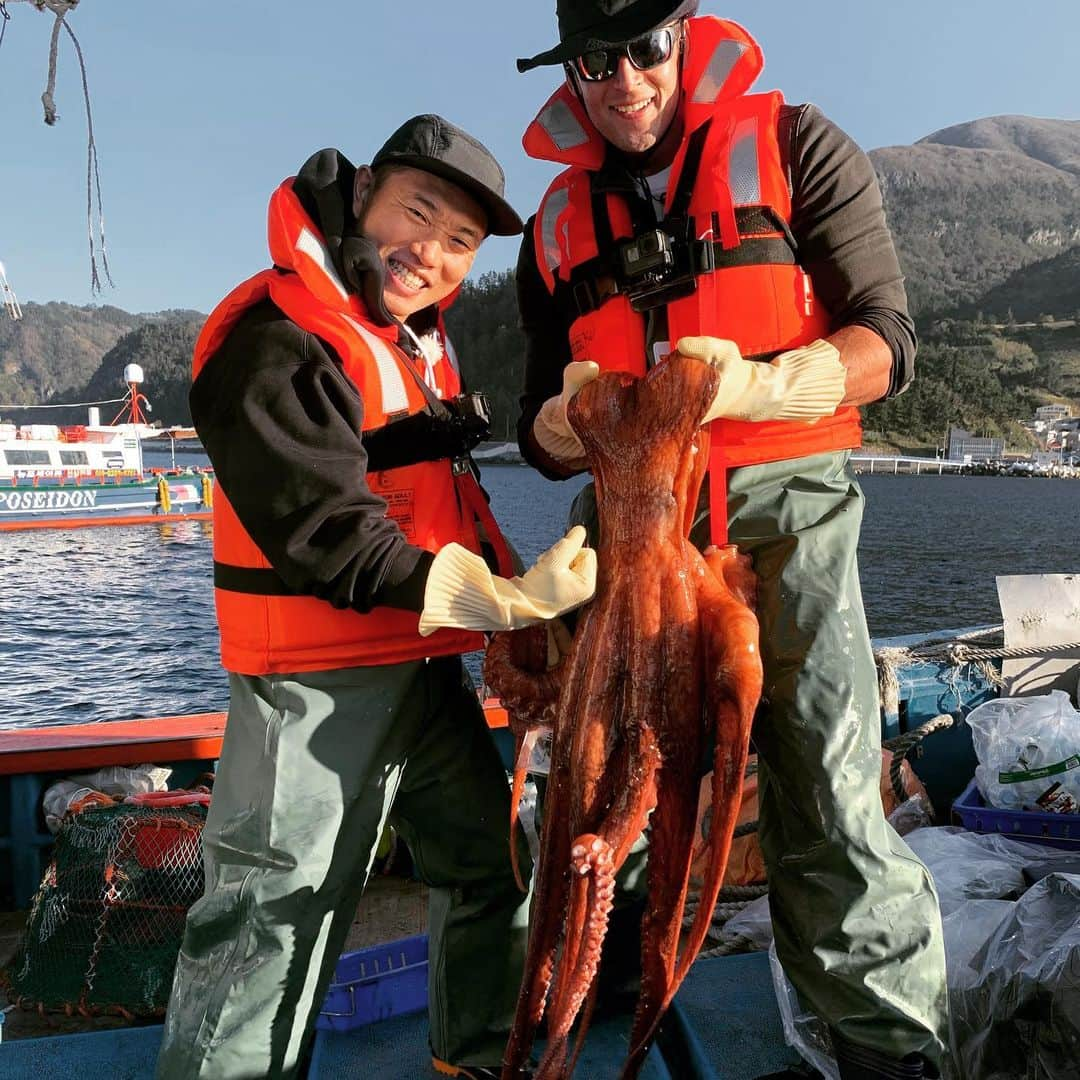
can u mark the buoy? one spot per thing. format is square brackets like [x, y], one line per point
[207, 492]
[164, 496]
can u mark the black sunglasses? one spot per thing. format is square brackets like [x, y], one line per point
[647, 51]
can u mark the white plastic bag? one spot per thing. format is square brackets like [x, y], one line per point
[1016, 1010]
[1029, 752]
[112, 780]
[804, 1031]
[973, 866]
[917, 812]
[754, 923]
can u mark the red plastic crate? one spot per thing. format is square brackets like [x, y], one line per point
[1033, 826]
[377, 983]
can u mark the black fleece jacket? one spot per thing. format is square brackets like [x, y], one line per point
[838, 222]
[281, 423]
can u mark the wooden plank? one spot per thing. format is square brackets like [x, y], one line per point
[191, 737]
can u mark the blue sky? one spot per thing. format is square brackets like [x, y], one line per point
[201, 107]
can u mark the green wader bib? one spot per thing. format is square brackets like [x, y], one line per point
[312, 767]
[854, 912]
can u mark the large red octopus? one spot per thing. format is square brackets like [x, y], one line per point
[664, 665]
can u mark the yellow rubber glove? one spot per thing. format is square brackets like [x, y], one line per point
[462, 592]
[803, 384]
[551, 428]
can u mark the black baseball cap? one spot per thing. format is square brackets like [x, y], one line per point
[585, 25]
[430, 143]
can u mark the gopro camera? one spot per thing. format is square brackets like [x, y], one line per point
[649, 253]
[655, 269]
[470, 419]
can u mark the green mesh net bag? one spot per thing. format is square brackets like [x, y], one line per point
[106, 924]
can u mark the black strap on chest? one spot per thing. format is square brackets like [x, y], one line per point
[764, 239]
[443, 429]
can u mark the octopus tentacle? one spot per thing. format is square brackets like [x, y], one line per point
[730, 633]
[592, 894]
[664, 660]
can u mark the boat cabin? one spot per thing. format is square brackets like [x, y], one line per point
[48, 451]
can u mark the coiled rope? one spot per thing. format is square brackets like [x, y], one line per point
[955, 651]
[901, 745]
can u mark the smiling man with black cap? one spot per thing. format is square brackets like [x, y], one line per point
[694, 215]
[355, 559]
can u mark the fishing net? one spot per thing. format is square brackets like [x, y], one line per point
[106, 924]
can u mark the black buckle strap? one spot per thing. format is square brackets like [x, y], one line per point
[250, 579]
[593, 283]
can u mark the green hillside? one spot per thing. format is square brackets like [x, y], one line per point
[986, 218]
[972, 204]
[55, 348]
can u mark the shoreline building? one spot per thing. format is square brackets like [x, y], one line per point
[963, 446]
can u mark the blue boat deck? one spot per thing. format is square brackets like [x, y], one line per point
[724, 1025]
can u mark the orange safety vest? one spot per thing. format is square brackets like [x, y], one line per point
[749, 286]
[263, 626]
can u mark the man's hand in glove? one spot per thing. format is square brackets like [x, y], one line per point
[462, 592]
[803, 384]
[551, 428]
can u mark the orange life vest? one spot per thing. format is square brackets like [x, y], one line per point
[749, 286]
[264, 627]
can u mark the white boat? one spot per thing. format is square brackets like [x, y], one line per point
[66, 476]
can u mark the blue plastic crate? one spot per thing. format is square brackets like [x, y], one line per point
[377, 983]
[1033, 826]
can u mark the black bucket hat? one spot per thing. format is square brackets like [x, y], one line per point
[436, 146]
[585, 25]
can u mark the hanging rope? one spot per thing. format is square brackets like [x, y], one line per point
[60, 8]
[901, 746]
[6, 19]
[11, 301]
[66, 404]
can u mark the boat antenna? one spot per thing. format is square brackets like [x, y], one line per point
[134, 401]
[60, 9]
[11, 302]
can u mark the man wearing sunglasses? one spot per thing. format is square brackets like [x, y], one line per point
[694, 215]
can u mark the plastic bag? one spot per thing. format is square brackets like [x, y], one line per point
[754, 923]
[978, 878]
[1016, 1011]
[914, 813]
[804, 1031]
[112, 780]
[973, 866]
[1029, 752]
[536, 751]
[967, 928]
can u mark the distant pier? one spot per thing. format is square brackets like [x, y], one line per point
[878, 463]
[888, 465]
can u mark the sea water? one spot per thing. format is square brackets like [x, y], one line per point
[118, 622]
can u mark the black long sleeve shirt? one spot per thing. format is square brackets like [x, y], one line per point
[838, 222]
[281, 423]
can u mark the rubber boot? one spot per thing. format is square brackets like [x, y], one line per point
[862, 1063]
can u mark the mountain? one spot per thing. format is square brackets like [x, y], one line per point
[986, 217]
[163, 349]
[1047, 287]
[56, 347]
[972, 204]
[59, 353]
